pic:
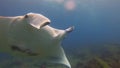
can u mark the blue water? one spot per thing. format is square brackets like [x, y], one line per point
[95, 21]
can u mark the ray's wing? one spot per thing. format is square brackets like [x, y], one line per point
[4, 26]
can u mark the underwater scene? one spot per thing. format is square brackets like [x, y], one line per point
[59, 33]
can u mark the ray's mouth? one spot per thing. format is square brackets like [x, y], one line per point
[44, 24]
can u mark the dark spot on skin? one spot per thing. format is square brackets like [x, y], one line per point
[15, 48]
[26, 16]
[27, 51]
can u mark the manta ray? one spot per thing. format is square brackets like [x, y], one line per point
[31, 36]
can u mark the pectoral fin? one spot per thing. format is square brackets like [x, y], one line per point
[70, 29]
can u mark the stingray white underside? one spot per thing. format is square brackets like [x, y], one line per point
[31, 37]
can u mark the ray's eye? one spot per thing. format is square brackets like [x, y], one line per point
[26, 16]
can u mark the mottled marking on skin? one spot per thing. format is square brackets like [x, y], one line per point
[27, 51]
